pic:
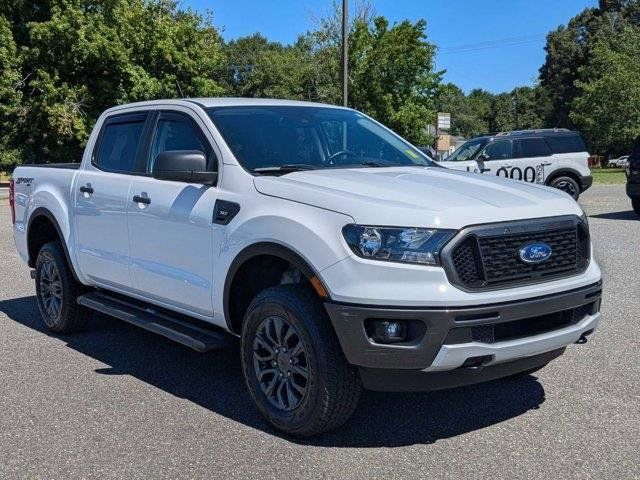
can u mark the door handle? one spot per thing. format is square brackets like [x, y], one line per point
[545, 164]
[87, 189]
[140, 199]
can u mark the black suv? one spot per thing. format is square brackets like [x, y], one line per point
[633, 177]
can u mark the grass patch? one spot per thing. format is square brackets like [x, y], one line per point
[609, 176]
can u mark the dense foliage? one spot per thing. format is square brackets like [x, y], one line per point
[64, 61]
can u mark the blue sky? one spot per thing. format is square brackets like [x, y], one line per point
[490, 44]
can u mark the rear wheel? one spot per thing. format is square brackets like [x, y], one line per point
[293, 365]
[568, 185]
[57, 291]
[635, 203]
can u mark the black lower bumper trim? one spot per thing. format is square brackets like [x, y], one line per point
[415, 381]
[360, 350]
[585, 182]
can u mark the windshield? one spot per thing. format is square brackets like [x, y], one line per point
[467, 151]
[283, 138]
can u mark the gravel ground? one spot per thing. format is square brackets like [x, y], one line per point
[117, 402]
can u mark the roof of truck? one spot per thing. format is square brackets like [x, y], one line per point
[226, 102]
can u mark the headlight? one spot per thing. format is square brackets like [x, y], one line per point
[397, 244]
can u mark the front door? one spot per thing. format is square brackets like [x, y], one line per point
[497, 159]
[170, 224]
[101, 193]
[534, 159]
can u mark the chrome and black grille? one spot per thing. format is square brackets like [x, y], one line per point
[488, 257]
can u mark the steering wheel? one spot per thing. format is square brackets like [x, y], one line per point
[342, 153]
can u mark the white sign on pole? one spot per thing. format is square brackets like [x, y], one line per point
[444, 121]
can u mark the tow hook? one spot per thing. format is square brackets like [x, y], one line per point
[583, 338]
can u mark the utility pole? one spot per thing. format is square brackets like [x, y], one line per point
[345, 53]
[515, 108]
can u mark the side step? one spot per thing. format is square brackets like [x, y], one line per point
[181, 329]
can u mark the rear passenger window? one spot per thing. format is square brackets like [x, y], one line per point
[119, 143]
[566, 143]
[533, 147]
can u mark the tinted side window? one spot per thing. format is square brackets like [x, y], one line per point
[533, 147]
[566, 143]
[119, 143]
[499, 150]
[178, 132]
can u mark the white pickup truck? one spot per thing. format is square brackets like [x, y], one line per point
[339, 254]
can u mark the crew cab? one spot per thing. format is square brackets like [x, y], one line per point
[340, 255]
[555, 157]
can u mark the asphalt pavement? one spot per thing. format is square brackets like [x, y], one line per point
[117, 402]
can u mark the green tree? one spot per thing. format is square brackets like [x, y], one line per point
[391, 73]
[88, 55]
[469, 113]
[260, 68]
[571, 47]
[392, 76]
[567, 49]
[606, 107]
[9, 98]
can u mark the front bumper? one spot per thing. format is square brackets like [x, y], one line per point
[442, 344]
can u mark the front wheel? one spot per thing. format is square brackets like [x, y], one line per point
[293, 365]
[635, 203]
[568, 185]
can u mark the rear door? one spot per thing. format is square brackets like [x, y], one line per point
[533, 161]
[101, 193]
[170, 230]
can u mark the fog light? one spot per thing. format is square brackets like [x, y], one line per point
[386, 331]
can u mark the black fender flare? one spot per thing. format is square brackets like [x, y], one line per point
[44, 212]
[254, 250]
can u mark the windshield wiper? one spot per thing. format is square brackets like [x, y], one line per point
[373, 163]
[287, 168]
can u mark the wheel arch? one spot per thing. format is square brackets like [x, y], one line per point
[248, 257]
[565, 172]
[43, 227]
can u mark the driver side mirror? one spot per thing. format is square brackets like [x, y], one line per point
[483, 157]
[188, 166]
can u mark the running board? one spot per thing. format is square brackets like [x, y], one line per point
[157, 320]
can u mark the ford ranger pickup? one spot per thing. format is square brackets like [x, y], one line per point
[339, 254]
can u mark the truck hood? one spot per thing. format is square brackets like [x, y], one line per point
[418, 196]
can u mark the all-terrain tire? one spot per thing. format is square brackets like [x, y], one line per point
[332, 385]
[57, 291]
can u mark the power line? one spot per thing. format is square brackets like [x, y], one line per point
[502, 42]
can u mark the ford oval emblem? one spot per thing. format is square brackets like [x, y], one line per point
[535, 253]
